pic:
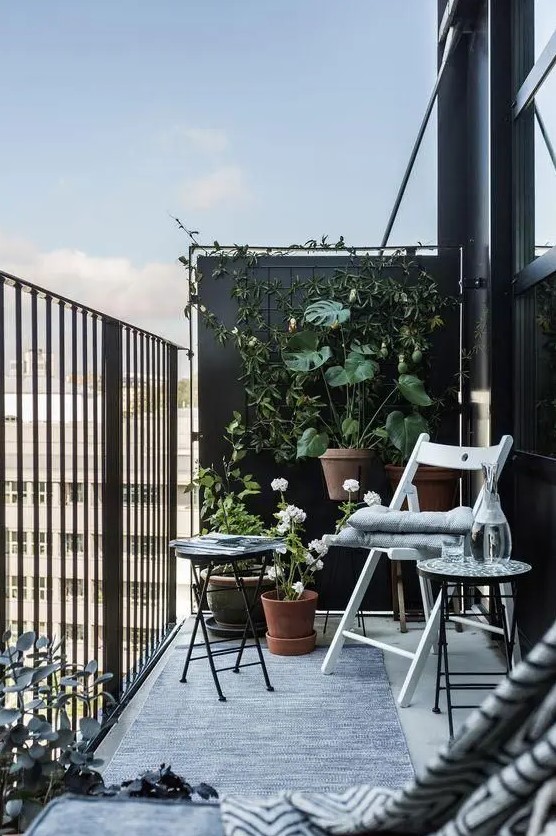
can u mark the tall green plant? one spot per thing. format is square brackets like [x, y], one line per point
[378, 315]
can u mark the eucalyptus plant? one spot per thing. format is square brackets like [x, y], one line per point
[40, 750]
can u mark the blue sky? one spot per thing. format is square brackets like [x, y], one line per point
[255, 121]
[260, 121]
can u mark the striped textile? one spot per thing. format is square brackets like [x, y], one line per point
[484, 783]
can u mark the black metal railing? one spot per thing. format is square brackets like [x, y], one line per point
[88, 479]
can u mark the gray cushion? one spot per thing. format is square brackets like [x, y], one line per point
[379, 518]
[73, 815]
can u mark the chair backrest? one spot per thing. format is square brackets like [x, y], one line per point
[446, 455]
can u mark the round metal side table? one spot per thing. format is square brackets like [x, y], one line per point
[466, 574]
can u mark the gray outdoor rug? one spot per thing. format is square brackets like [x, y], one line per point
[313, 732]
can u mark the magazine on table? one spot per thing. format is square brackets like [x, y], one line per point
[220, 543]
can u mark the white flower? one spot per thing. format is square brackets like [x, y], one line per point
[235, 331]
[282, 528]
[351, 486]
[280, 549]
[318, 566]
[298, 587]
[279, 485]
[352, 295]
[318, 546]
[309, 559]
[252, 342]
[372, 498]
[271, 573]
[291, 513]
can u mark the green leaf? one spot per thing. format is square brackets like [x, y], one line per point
[302, 352]
[25, 641]
[403, 431]
[327, 312]
[312, 443]
[89, 727]
[9, 715]
[349, 427]
[357, 369]
[413, 390]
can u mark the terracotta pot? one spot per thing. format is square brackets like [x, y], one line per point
[226, 601]
[437, 487]
[290, 623]
[339, 464]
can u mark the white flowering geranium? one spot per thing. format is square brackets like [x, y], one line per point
[372, 498]
[349, 506]
[294, 563]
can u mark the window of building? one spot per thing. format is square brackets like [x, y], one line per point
[14, 587]
[74, 543]
[42, 589]
[73, 588]
[74, 492]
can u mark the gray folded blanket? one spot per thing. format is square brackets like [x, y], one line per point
[380, 518]
[379, 527]
[428, 544]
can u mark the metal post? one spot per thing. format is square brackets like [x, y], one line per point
[112, 505]
[172, 474]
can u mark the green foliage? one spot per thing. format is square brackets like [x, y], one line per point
[224, 491]
[341, 351]
[39, 749]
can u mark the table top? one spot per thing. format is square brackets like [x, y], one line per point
[230, 547]
[468, 569]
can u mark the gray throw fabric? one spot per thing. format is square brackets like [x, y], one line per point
[379, 518]
[486, 782]
[429, 545]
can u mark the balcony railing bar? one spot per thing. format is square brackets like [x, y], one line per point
[128, 661]
[85, 322]
[35, 397]
[74, 448]
[172, 480]
[146, 556]
[96, 488]
[62, 390]
[49, 479]
[136, 447]
[43, 293]
[3, 603]
[142, 448]
[19, 453]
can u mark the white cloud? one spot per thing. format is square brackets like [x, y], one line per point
[206, 140]
[225, 185]
[112, 285]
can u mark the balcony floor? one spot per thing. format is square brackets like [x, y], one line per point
[424, 731]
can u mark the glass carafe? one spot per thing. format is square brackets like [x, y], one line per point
[491, 539]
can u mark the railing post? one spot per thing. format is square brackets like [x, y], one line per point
[112, 502]
[172, 474]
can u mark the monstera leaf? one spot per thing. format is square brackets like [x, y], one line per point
[312, 443]
[302, 352]
[327, 312]
[404, 430]
[357, 368]
[411, 387]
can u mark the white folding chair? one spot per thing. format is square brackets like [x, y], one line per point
[440, 455]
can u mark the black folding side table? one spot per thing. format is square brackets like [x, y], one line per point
[207, 558]
[471, 573]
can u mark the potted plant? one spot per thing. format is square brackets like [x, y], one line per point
[347, 428]
[224, 509]
[290, 607]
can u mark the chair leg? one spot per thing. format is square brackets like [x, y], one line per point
[399, 607]
[428, 640]
[509, 607]
[348, 617]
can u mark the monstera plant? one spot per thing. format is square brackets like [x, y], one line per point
[360, 388]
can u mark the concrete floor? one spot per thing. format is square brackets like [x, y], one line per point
[424, 731]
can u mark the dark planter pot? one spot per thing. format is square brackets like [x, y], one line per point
[290, 623]
[339, 464]
[226, 601]
[437, 487]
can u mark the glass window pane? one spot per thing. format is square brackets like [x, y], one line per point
[537, 350]
[545, 23]
[545, 165]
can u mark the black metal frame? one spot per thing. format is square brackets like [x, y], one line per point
[499, 617]
[100, 422]
[250, 630]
